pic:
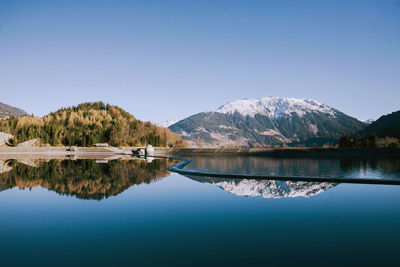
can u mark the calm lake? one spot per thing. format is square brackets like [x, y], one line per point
[135, 212]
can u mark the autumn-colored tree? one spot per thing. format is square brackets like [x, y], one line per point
[87, 124]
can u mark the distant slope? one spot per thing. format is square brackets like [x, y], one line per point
[267, 121]
[369, 121]
[7, 111]
[87, 124]
[385, 126]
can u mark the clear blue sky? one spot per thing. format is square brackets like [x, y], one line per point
[169, 59]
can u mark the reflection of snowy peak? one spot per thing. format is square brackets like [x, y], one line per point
[276, 107]
[268, 188]
[274, 189]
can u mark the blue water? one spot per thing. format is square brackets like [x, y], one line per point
[175, 220]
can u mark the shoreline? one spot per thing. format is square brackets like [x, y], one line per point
[286, 152]
[62, 153]
[66, 152]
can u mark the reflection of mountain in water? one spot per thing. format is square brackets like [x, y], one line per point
[267, 188]
[84, 179]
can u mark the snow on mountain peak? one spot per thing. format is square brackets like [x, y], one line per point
[166, 123]
[369, 121]
[275, 107]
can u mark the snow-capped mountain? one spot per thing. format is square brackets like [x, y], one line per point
[166, 123]
[369, 121]
[267, 188]
[267, 121]
[276, 107]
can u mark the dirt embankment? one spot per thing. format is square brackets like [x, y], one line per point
[4, 137]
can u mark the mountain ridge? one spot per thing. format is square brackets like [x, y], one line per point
[386, 126]
[8, 111]
[274, 107]
[267, 121]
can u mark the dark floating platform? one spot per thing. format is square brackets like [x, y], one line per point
[179, 168]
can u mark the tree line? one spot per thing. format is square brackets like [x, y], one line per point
[88, 124]
[370, 141]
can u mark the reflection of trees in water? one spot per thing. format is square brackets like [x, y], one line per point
[325, 167]
[84, 179]
[349, 165]
[389, 166]
[268, 166]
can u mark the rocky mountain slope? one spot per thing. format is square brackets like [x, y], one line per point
[267, 121]
[7, 111]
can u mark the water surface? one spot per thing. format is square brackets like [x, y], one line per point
[128, 212]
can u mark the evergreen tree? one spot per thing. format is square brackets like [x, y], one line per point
[373, 141]
[87, 124]
[357, 141]
[364, 141]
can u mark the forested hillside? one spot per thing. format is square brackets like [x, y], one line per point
[88, 124]
[384, 132]
[386, 126]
